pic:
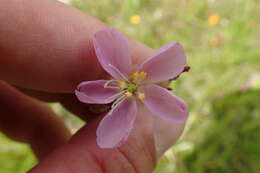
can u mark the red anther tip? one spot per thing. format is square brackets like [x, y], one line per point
[186, 69]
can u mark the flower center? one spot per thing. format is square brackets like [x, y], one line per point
[131, 86]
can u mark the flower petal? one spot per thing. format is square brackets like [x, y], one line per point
[112, 48]
[94, 92]
[165, 104]
[166, 63]
[116, 126]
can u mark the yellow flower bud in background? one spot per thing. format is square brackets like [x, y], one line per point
[135, 19]
[214, 19]
[215, 41]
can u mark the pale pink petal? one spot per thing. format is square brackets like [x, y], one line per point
[112, 48]
[94, 92]
[164, 104]
[116, 126]
[166, 63]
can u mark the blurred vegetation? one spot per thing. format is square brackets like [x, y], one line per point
[229, 141]
[14, 157]
[221, 39]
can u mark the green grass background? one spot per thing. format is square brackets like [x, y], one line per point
[222, 88]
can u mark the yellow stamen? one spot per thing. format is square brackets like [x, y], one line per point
[139, 75]
[128, 94]
[143, 74]
[141, 96]
[122, 85]
[135, 75]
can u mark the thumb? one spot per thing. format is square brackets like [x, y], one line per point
[138, 154]
[47, 46]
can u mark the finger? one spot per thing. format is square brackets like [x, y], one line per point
[27, 120]
[138, 154]
[43, 96]
[46, 45]
[84, 111]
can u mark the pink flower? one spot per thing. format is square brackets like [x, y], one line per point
[131, 85]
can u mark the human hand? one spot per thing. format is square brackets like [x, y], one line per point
[46, 52]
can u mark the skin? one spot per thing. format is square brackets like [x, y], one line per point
[45, 52]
